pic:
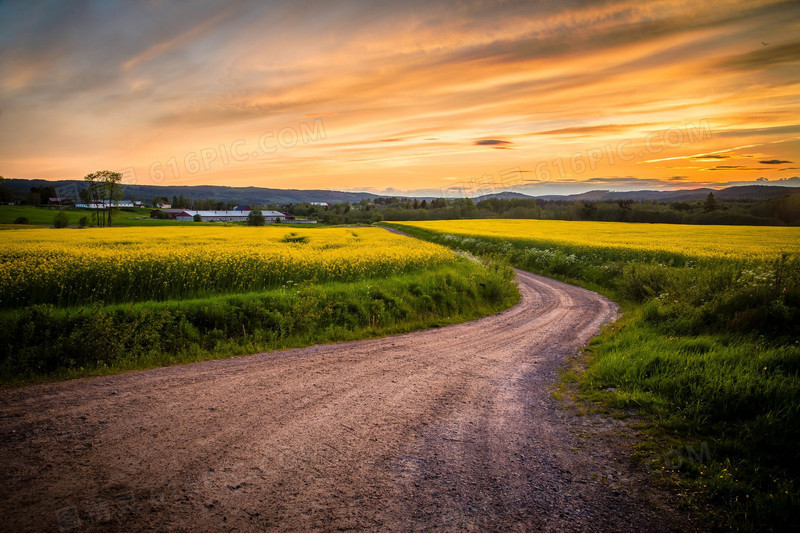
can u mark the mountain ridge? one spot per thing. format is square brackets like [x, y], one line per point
[263, 195]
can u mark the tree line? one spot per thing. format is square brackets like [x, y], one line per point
[779, 211]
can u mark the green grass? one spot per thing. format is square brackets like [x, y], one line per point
[43, 216]
[44, 342]
[708, 350]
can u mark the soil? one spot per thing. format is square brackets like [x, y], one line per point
[449, 429]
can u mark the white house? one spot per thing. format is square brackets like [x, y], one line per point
[103, 204]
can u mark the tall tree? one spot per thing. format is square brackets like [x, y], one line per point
[710, 204]
[91, 194]
[104, 185]
[113, 189]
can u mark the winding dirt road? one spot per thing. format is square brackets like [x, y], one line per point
[448, 429]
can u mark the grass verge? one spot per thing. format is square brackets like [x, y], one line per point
[707, 351]
[44, 342]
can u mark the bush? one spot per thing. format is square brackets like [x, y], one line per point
[61, 220]
[197, 218]
[83, 222]
[21, 220]
[255, 218]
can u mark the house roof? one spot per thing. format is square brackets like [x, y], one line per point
[211, 213]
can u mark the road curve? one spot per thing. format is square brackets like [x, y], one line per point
[450, 429]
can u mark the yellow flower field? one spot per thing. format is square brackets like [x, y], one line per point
[735, 242]
[123, 264]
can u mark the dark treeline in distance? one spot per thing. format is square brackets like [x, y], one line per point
[778, 211]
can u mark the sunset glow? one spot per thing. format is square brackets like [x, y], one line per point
[429, 98]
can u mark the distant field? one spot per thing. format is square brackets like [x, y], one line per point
[42, 216]
[740, 242]
[71, 266]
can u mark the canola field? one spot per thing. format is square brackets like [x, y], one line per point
[76, 267]
[703, 241]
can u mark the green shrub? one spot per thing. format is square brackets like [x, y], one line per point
[61, 220]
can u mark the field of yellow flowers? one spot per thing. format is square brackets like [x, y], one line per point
[70, 267]
[707, 241]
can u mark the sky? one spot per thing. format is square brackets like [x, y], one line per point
[419, 98]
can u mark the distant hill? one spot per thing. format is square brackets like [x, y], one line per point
[220, 193]
[744, 192]
[263, 195]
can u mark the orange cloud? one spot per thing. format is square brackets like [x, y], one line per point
[407, 98]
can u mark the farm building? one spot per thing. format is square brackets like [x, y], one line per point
[213, 216]
[170, 213]
[103, 204]
[272, 216]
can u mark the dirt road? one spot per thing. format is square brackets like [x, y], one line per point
[449, 429]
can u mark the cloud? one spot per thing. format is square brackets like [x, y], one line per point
[734, 168]
[775, 161]
[405, 89]
[764, 57]
[600, 128]
[710, 157]
[494, 143]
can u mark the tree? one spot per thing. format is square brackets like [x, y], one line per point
[61, 220]
[113, 189]
[82, 222]
[255, 218]
[92, 193]
[710, 204]
[197, 218]
[104, 185]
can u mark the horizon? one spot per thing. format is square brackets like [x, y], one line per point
[420, 99]
[790, 183]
